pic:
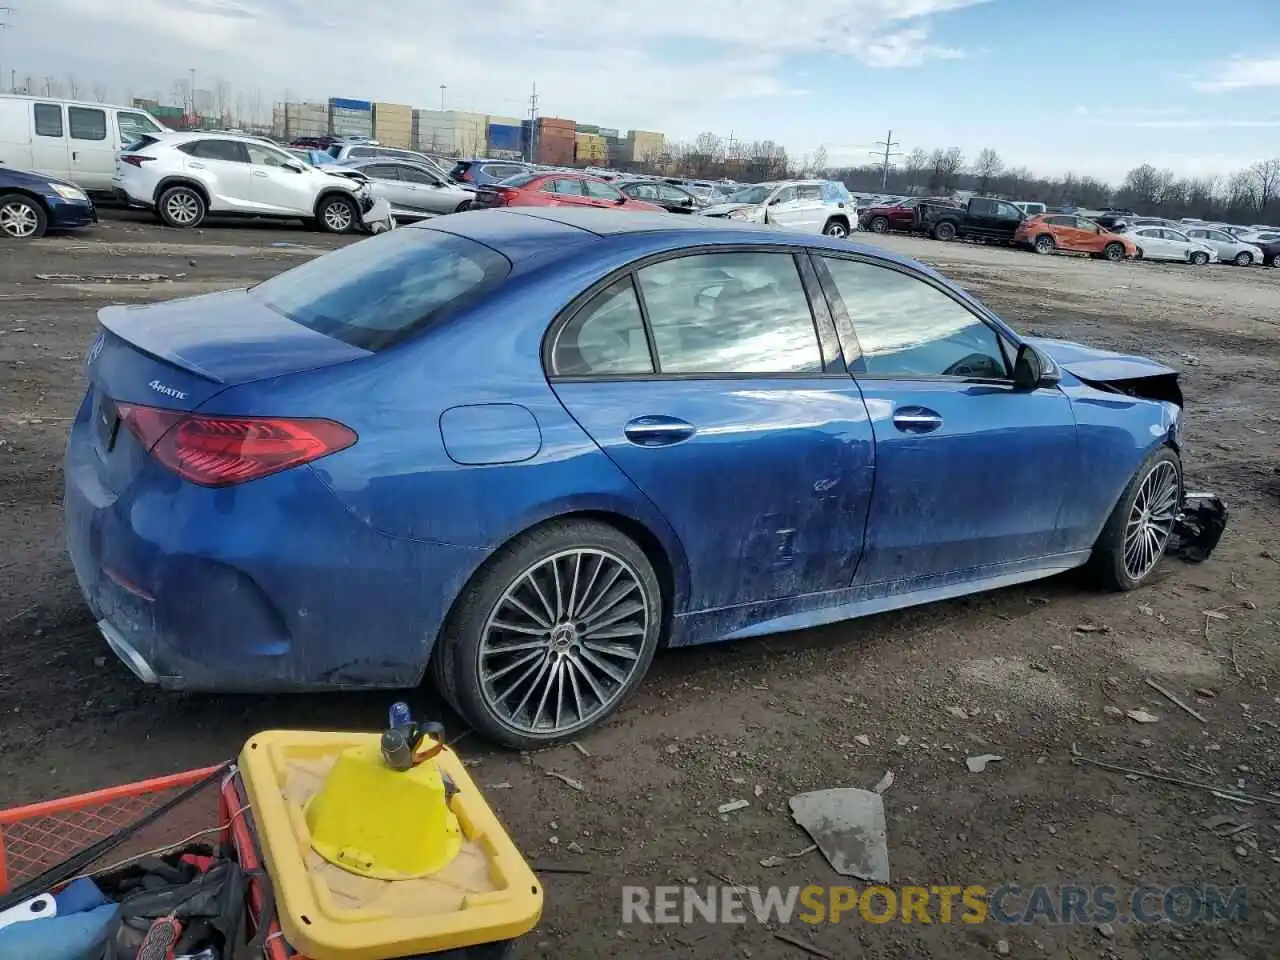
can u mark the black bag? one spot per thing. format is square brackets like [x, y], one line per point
[204, 891]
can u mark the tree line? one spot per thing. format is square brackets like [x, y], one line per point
[1251, 194]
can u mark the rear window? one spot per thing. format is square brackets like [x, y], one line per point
[378, 292]
[521, 179]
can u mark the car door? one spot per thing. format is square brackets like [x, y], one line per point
[1089, 236]
[566, 192]
[812, 209]
[1226, 245]
[673, 199]
[223, 167]
[430, 194]
[783, 208]
[1063, 231]
[971, 471]
[740, 424]
[1180, 245]
[384, 182]
[50, 146]
[93, 148]
[903, 216]
[1153, 245]
[278, 185]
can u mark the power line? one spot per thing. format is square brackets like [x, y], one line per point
[533, 123]
[888, 143]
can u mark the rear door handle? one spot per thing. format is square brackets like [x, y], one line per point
[260, 173]
[195, 166]
[917, 420]
[658, 431]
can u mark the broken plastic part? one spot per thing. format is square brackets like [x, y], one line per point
[1198, 528]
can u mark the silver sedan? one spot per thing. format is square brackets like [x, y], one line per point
[1230, 249]
[413, 190]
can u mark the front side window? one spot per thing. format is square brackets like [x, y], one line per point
[133, 125]
[673, 194]
[414, 174]
[604, 338]
[907, 327]
[265, 156]
[982, 207]
[569, 188]
[378, 292]
[642, 191]
[1089, 225]
[48, 120]
[86, 123]
[1010, 211]
[1060, 221]
[728, 313]
[1216, 235]
[785, 195]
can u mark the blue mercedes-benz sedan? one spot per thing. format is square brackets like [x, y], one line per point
[31, 204]
[523, 449]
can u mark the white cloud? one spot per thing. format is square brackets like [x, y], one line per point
[665, 64]
[1240, 73]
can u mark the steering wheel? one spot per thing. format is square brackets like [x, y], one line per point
[973, 365]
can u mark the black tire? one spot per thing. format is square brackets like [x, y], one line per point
[1199, 258]
[946, 230]
[1138, 254]
[455, 663]
[1113, 252]
[1045, 244]
[464, 205]
[1244, 259]
[1107, 562]
[836, 227]
[330, 214]
[879, 224]
[22, 217]
[181, 207]
[1275, 259]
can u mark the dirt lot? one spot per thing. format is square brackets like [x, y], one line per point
[1033, 668]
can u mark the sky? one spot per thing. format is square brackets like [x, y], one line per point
[1092, 87]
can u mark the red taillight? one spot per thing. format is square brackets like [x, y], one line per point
[218, 451]
[466, 175]
[134, 160]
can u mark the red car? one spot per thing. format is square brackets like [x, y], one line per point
[557, 190]
[896, 216]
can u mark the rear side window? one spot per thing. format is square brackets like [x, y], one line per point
[604, 338]
[230, 150]
[521, 180]
[383, 290]
[572, 188]
[362, 152]
[600, 191]
[809, 191]
[86, 123]
[48, 120]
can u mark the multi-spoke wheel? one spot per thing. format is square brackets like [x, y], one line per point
[1137, 533]
[557, 630]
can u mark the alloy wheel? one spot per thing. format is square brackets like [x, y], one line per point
[337, 217]
[1151, 520]
[18, 219]
[1044, 245]
[563, 642]
[183, 208]
[837, 230]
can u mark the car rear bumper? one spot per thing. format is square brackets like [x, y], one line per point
[269, 586]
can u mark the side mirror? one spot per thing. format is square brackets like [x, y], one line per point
[294, 165]
[1031, 370]
[621, 200]
[687, 202]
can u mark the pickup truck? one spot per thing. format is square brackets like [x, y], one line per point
[981, 219]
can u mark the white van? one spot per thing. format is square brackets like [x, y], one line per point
[1030, 208]
[69, 139]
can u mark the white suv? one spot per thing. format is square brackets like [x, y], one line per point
[814, 206]
[185, 176]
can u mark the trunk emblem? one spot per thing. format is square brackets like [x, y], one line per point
[168, 391]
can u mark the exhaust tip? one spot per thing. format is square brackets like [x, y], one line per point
[136, 663]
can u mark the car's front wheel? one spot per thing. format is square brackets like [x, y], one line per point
[553, 634]
[1199, 258]
[1113, 252]
[836, 228]
[21, 218]
[338, 214]
[1244, 259]
[1137, 532]
[181, 207]
[1045, 244]
[879, 224]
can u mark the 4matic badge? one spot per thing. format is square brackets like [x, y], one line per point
[168, 391]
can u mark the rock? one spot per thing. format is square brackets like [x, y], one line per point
[574, 847]
[673, 748]
[1141, 716]
[1242, 852]
[957, 712]
[1106, 930]
[1205, 692]
[1002, 947]
[732, 806]
[863, 739]
[903, 740]
[978, 764]
[1113, 711]
[884, 783]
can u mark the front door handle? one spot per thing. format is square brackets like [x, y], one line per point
[917, 420]
[260, 173]
[656, 431]
[195, 166]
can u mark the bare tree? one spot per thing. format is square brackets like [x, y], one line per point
[986, 168]
[1266, 177]
[99, 91]
[916, 164]
[946, 167]
[73, 86]
[222, 99]
[818, 164]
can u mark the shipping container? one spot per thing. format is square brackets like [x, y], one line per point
[586, 128]
[506, 138]
[590, 148]
[393, 124]
[555, 146]
[363, 106]
[644, 146]
[557, 123]
[610, 132]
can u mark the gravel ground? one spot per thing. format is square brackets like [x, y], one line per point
[765, 719]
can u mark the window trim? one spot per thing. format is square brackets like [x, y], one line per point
[837, 370]
[1007, 339]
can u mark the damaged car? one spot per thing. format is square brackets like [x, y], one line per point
[519, 450]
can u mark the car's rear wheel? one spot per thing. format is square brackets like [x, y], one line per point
[1137, 532]
[464, 205]
[1275, 259]
[879, 224]
[944, 231]
[1113, 252]
[1199, 258]
[181, 207]
[1244, 259]
[552, 635]
[21, 217]
[338, 214]
[836, 228]
[1045, 244]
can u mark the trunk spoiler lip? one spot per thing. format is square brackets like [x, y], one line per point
[111, 317]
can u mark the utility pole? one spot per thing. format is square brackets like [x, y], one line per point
[731, 147]
[5, 14]
[443, 88]
[533, 123]
[193, 92]
[888, 143]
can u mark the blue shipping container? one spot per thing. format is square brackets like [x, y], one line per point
[505, 137]
[351, 104]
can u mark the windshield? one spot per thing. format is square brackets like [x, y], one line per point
[380, 291]
[756, 194]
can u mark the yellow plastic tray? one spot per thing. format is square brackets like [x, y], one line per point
[310, 917]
